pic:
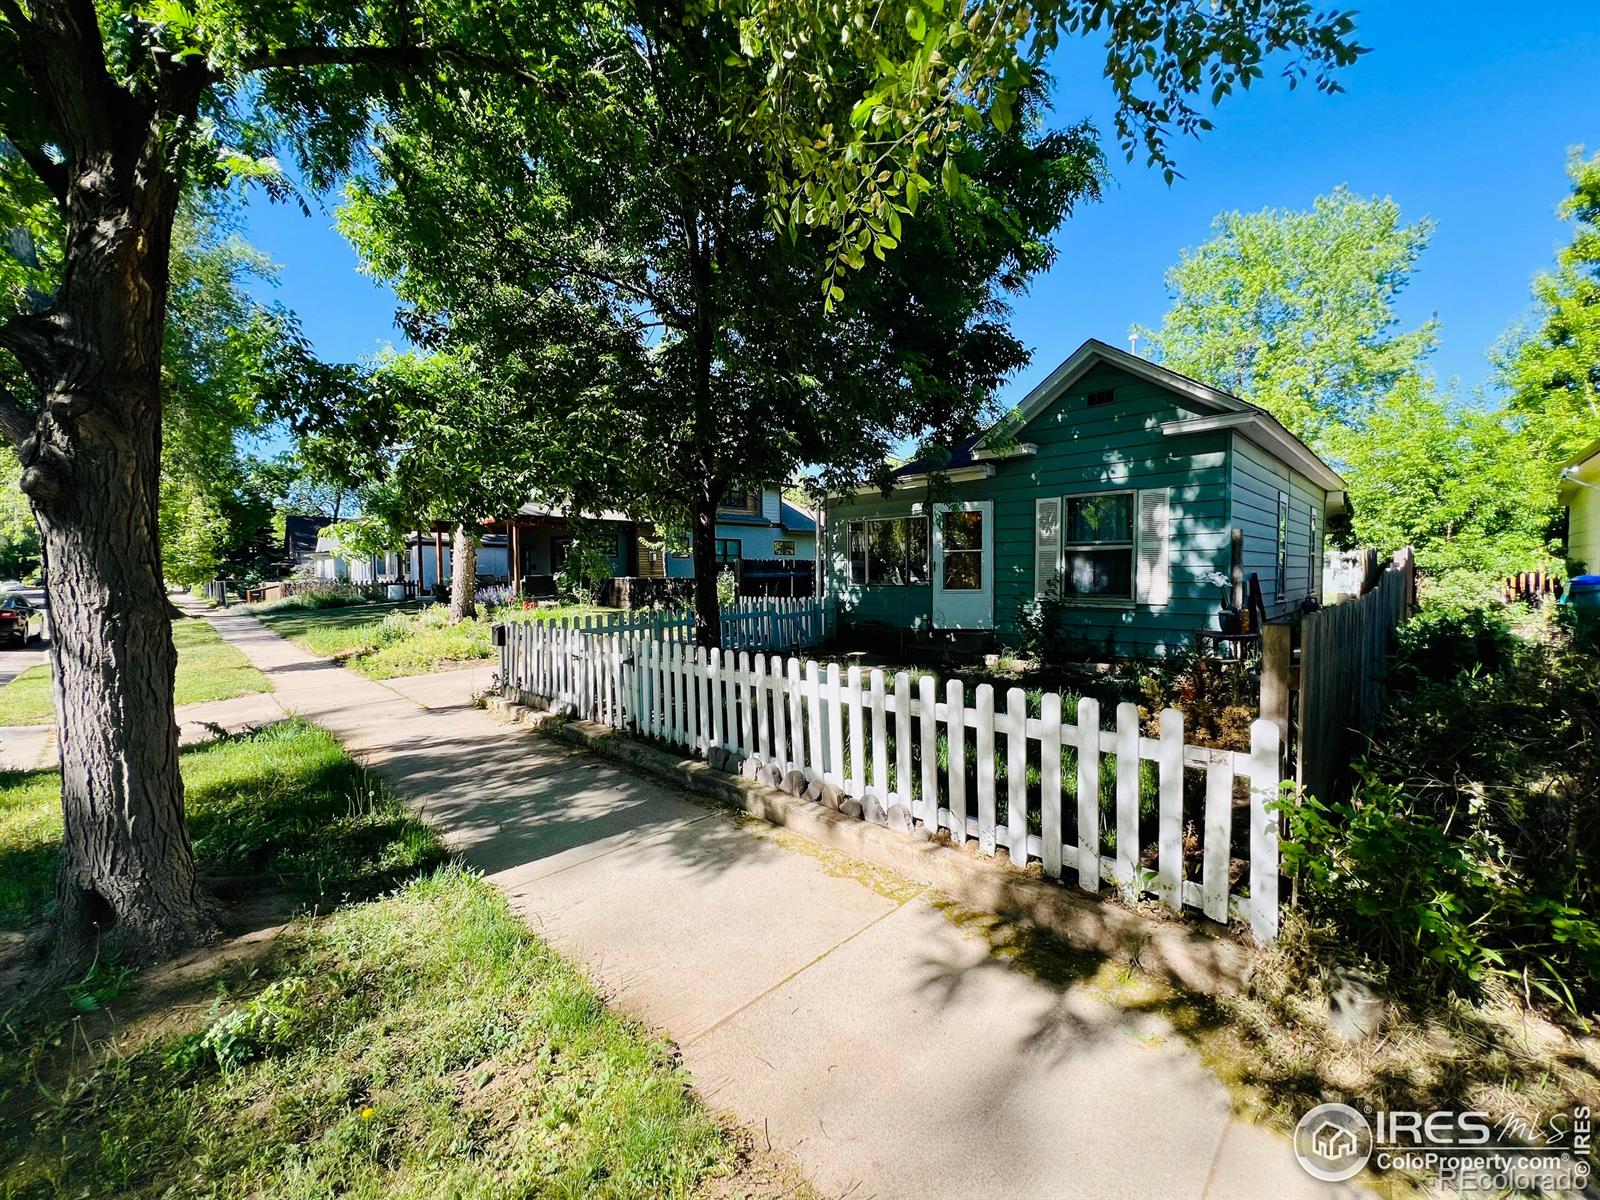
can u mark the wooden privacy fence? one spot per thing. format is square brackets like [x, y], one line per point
[1042, 778]
[1344, 657]
[1529, 587]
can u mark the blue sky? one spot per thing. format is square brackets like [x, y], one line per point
[1463, 112]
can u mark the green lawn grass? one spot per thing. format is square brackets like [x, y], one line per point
[421, 1044]
[382, 641]
[208, 669]
[286, 804]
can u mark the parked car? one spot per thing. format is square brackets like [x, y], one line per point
[10, 585]
[20, 621]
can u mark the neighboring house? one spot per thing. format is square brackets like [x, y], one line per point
[332, 562]
[427, 552]
[529, 550]
[544, 534]
[1116, 478]
[754, 525]
[300, 537]
[1580, 493]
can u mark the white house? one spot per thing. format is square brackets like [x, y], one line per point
[1580, 493]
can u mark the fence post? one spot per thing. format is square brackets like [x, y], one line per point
[928, 727]
[902, 741]
[814, 711]
[1276, 657]
[855, 774]
[1264, 780]
[1017, 776]
[880, 740]
[1089, 794]
[1050, 782]
[1127, 793]
[1169, 823]
[956, 732]
[984, 737]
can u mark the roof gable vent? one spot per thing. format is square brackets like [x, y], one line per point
[1103, 396]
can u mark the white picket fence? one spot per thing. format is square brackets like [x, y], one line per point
[879, 740]
[749, 623]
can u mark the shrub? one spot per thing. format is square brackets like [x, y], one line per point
[582, 572]
[1471, 843]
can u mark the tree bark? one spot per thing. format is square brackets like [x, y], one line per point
[126, 883]
[463, 575]
[91, 460]
[703, 548]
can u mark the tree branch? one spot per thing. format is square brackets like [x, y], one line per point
[292, 57]
[32, 338]
[17, 418]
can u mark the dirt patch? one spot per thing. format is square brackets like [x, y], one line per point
[760, 1171]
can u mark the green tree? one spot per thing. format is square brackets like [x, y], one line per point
[675, 346]
[1447, 479]
[113, 107]
[194, 533]
[221, 346]
[1294, 309]
[19, 535]
[455, 453]
[1553, 374]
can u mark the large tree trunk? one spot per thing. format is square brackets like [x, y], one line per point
[91, 459]
[703, 548]
[92, 468]
[463, 575]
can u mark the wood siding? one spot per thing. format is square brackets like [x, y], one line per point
[1214, 480]
[1583, 521]
[1081, 450]
[1256, 481]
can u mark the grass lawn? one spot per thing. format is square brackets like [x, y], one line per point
[208, 669]
[385, 640]
[421, 1044]
[286, 804]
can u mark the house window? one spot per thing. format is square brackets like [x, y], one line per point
[729, 551]
[747, 502]
[1097, 546]
[888, 552]
[1283, 545]
[783, 548]
[963, 550]
[1096, 399]
[1313, 557]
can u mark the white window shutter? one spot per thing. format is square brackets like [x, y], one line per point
[1154, 582]
[1046, 543]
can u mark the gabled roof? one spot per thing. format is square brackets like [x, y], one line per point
[795, 520]
[1227, 411]
[1592, 450]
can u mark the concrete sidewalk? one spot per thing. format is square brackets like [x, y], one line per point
[833, 1006]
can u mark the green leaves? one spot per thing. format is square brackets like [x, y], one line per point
[1552, 372]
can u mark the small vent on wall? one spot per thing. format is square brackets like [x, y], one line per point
[1094, 399]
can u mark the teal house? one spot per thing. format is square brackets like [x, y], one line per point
[1118, 484]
